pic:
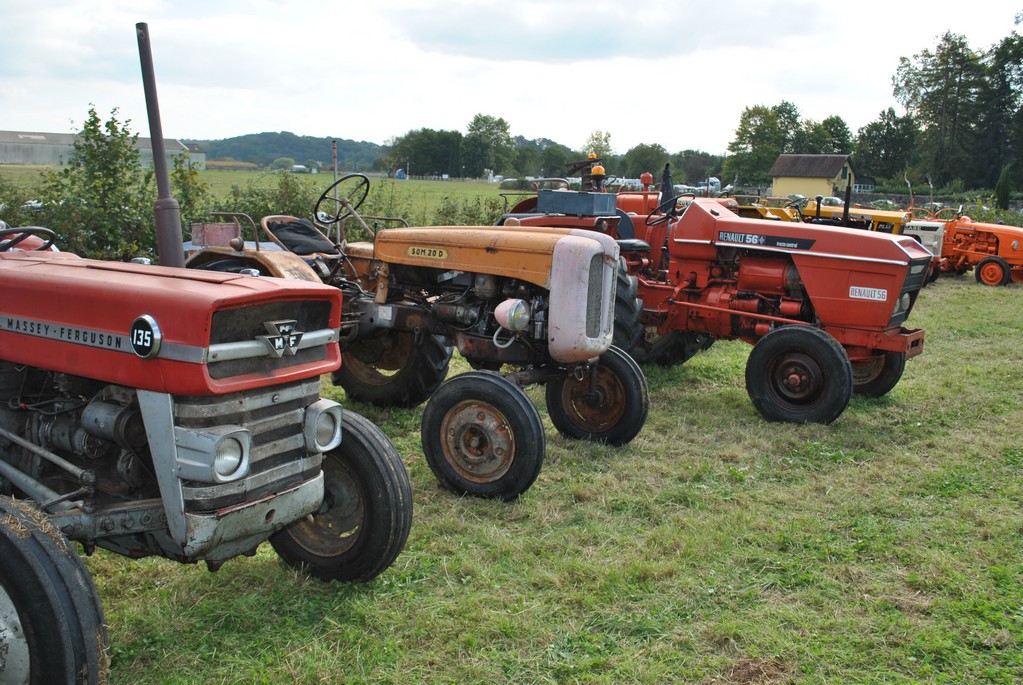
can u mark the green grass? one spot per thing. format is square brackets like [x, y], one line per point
[425, 195]
[716, 548]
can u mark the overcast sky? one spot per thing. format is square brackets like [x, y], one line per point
[673, 72]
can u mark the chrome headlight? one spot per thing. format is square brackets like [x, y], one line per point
[513, 315]
[219, 454]
[322, 428]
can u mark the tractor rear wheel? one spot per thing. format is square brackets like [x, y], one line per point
[993, 271]
[482, 436]
[609, 404]
[877, 376]
[628, 331]
[799, 374]
[51, 621]
[393, 369]
[670, 349]
[366, 513]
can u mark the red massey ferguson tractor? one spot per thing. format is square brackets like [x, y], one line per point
[823, 309]
[160, 411]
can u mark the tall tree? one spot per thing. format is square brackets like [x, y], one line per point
[554, 159]
[488, 145]
[427, 152]
[840, 140]
[644, 157]
[599, 143]
[788, 124]
[999, 142]
[885, 147]
[691, 166]
[940, 89]
[527, 160]
[759, 140]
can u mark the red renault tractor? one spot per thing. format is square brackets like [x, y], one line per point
[823, 309]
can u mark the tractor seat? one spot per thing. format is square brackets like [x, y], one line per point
[633, 245]
[296, 235]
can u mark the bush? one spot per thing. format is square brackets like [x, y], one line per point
[101, 204]
[287, 194]
[475, 212]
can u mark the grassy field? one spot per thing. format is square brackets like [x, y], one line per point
[715, 549]
[425, 195]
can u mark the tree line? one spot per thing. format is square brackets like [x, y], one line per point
[962, 129]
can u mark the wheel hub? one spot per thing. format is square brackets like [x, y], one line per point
[478, 440]
[596, 401]
[335, 527]
[799, 378]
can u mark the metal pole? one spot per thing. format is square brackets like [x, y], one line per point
[169, 243]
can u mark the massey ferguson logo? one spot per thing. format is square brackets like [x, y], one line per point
[283, 339]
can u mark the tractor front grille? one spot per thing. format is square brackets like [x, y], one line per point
[278, 459]
[249, 323]
[594, 297]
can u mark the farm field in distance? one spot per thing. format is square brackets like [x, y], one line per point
[426, 194]
[715, 548]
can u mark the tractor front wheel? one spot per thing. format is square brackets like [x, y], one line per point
[608, 404]
[993, 271]
[799, 374]
[51, 621]
[482, 436]
[393, 369]
[366, 513]
[877, 376]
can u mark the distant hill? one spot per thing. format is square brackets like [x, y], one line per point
[264, 148]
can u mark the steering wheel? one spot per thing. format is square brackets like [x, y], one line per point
[345, 203]
[23, 232]
[667, 210]
[798, 204]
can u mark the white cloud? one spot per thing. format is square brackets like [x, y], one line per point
[678, 74]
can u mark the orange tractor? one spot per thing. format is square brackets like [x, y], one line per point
[823, 309]
[538, 304]
[993, 251]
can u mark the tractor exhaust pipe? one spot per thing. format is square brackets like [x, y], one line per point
[169, 243]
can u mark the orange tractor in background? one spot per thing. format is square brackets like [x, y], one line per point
[993, 251]
[823, 309]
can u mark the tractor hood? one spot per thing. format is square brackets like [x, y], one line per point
[706, 221]
[526, 253]
[164, 329]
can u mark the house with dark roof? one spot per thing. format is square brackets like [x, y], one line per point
[54, 149]
[811, 175]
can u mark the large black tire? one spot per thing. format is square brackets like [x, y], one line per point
[482, 436]
[993, 271]
[366, 514]
[51, 621]
[875, 378]
[671, 349]
[392, 369]
[799, 374]
[628, 330]
[611, 409]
